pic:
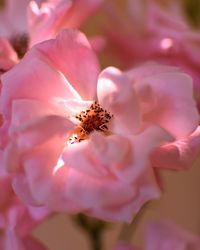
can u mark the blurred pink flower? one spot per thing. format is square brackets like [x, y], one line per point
[16, 219]
[79, 141]
[26, 22]
[155, 31]
[165, 235]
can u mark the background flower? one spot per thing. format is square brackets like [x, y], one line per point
[155, 30]
[26, 22]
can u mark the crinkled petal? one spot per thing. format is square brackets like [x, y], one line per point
[146, 189]
[96, 155]
[141, 146]
[174, 109]
[78, 156]
[97, 192]
[110, 150]
[179, 155]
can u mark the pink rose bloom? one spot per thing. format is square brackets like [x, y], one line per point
[155, 31]
[26, 22]
[78, 140]
[165, 235]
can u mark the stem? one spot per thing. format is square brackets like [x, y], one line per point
[93, 228]
[128, 230]
[96, 240]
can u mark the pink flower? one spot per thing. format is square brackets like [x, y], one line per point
[157, 32]
[16, 219]
[78, 140]
[165, 235]
[27, 22]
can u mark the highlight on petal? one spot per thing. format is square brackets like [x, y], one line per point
[116, 94]
[65, 52]
[31, 74]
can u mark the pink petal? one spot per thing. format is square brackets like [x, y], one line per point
[141, 146]
[116, 95]
[47, 20]
[65, 52]
[26, 110]
[21, 187]
[40, 130]
[175, 109]
[179, 155]
[39, 167]
[96, 193]
[79, 157]
[34, 78]
[146, 188]
[110, 150]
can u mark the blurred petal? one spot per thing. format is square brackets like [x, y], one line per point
[165, 235]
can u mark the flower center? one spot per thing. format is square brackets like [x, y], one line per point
[93, 119]
[2, 4]
[20, 44]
